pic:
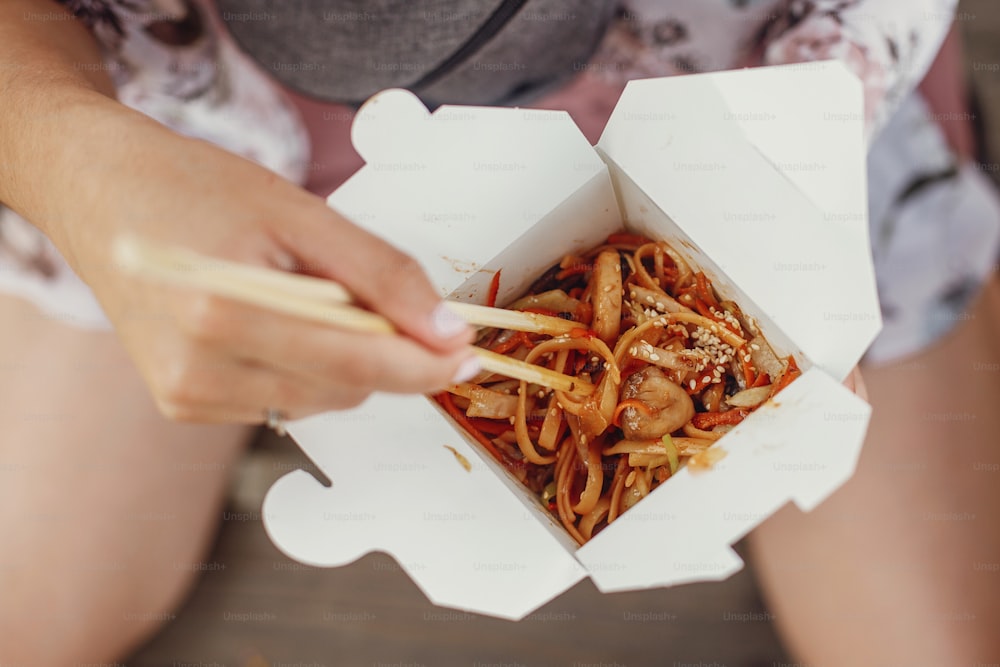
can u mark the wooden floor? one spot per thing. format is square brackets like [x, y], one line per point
[256, 608]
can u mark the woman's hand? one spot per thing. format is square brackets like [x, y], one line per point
[210, 359]
[90, 169]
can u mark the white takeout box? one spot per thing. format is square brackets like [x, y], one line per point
[757, 176]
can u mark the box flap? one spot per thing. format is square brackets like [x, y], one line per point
[765, 171]
[799, 447]
[456, 187]
[396, 488]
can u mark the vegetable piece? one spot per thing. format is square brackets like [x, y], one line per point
[685, 446]
[549, 492]
[670, 405]
[647, 298]
[606, 297]
[555, 301]
[749, 398]
[790, 374]
[706, 459]
[763, 357]
[672, 454]
[706, 420]
[491, 297]
[486, 403]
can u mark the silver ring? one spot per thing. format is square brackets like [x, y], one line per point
[276, 421]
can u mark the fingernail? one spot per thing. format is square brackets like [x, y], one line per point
[446, 322]
[468, 370]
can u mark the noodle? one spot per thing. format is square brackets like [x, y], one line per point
[664, 353]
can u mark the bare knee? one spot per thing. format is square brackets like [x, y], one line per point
[78, 613]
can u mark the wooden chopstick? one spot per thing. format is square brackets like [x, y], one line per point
[329, 302]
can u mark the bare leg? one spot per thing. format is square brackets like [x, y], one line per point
[902, 565]
[104, 505]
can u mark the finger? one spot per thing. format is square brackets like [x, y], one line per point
[207, 388]
[328, 356]
[382, 278]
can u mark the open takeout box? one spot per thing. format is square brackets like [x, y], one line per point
[756, 176]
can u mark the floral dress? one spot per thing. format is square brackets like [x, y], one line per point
[220, 71]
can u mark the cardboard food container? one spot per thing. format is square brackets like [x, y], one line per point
[755, 176]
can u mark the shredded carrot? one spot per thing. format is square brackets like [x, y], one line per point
[685, 295]
[702, 308]
[580, 332]
[624, 238]
[704, 291]
[762, 380]
[791, 373]
[491, 426]
[629, 403]
[491, 297]
[670, 276]
[706, 420]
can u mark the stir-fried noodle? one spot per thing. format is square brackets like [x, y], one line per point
[674, 368]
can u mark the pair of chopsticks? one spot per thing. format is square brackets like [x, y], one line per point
[329, 302]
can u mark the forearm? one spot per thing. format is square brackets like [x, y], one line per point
[57, 113]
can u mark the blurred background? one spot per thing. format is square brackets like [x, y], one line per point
[370, 613]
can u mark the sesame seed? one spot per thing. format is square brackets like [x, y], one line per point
[650, 299]
[693, 384]
[654, 357]
[754, 346]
